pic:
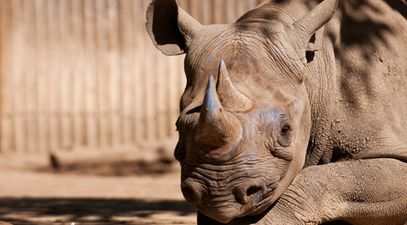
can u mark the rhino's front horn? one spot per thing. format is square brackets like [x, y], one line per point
[231, 98]
[215, 127]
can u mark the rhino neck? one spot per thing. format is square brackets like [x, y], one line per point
[322, 88]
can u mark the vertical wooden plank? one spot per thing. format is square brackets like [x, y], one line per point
[90, 74]
[230, 11]
[66, 51]
[195, 9]
[166, 115]
[102, 73]
[51, 62]
[6, 89]
[11, 79]
[78, 58]
[2, 67]
[41, 43]
[53, 80]
[149, 95]
[18, 83]
[114, 87]
[206, 12]
[146, 81]
[173, 94]
[23, 60]
[30, 77]
[140, 71]
[218, 6]
[71, 48]
[128, 72]
[160, 86]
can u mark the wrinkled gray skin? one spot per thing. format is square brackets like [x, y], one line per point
[292, 116]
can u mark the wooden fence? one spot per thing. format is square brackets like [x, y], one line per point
[84, 73]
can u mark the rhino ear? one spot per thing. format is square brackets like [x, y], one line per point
[170, 28]
[309, 28]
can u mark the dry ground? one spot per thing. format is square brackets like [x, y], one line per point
[119, 188]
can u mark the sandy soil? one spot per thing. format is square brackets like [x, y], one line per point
[120, 190]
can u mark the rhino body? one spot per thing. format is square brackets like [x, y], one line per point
[294, 114]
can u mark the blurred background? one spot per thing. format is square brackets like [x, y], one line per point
[87, 112]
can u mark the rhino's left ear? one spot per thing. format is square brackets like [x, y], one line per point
[309, 29]
[170, 27]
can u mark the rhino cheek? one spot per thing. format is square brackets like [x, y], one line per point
[298, 149]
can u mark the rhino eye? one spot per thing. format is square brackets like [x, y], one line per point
[284, 137]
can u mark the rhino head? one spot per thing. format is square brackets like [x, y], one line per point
[245, 116]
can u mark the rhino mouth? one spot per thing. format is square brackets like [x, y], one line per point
[226, 208]
[225, 213]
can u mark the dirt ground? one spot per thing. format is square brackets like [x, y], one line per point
[118, 188]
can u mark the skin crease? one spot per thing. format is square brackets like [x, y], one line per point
[340, 107]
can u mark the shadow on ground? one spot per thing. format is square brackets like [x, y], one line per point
[109, 165]
[118, 168]
[84, 210]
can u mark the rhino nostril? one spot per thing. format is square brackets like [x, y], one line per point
[253, 190]
[188, 193]
[191, 193]
[244, 194]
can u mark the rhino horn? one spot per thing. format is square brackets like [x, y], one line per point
[214, 128]
[315, 19]
[211, 107]
[232, 99]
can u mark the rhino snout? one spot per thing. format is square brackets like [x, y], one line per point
[225, 203]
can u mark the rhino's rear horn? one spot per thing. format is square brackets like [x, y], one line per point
[215, 128]
[315, 19]
[232, 99]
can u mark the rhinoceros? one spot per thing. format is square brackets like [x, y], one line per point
[294, 114]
